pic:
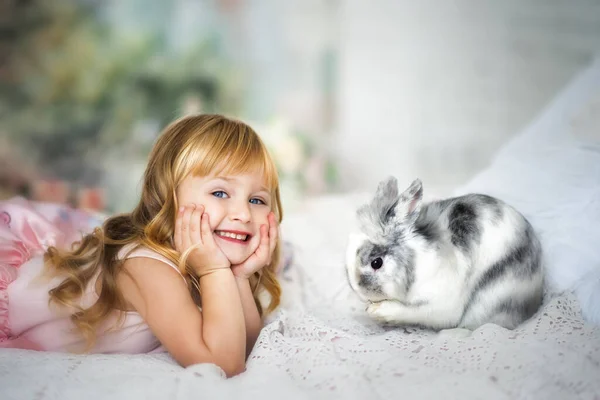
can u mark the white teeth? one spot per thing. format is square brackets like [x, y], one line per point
[232, 235]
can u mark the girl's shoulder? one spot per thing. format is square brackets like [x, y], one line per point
[148, 277]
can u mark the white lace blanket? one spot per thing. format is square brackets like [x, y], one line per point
[320, 345]
[319, 355]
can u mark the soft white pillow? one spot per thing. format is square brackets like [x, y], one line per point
[551, 173]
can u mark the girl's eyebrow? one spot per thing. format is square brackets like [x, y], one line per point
[224, 178]
[233, 179]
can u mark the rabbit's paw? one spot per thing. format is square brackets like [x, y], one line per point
[386, 311]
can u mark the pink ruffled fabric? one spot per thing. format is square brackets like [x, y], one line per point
[27, 229]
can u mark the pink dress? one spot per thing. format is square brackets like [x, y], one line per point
[27, 229]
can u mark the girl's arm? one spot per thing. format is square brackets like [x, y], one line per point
[253, 321]
[215, 335]
[259, 259]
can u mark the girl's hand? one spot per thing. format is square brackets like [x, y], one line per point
[193, 236]
[262, 255]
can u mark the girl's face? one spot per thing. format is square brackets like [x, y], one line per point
[237, 205]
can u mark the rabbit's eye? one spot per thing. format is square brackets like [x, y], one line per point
[377, 263]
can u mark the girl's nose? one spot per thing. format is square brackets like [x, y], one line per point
[240, 211]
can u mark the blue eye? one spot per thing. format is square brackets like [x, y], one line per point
[220, 194]
[256, 201]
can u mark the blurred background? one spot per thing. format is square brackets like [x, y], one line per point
[344, 92]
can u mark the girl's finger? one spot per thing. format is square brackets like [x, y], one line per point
[177, 233]
[273, 232]
[263, 247]
[185, 228]
[195, 225]
[205, 230]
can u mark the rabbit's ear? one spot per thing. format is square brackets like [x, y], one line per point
[409, 203]
[378, 213]
[386, 199]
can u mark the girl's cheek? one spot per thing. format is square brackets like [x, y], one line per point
[265, 216]
[210, 203]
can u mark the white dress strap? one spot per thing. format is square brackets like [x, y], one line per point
[146, 252]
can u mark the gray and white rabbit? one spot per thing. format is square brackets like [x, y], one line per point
[455, 263]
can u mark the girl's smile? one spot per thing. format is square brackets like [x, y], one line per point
[234, 236]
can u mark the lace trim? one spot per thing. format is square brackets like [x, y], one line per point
[8, 274]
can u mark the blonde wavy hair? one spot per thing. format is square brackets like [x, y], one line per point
[196, 145]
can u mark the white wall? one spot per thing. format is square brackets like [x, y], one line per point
[431, 89]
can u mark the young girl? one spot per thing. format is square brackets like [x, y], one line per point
[182, 272]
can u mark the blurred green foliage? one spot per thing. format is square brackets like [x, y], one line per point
[72, 87]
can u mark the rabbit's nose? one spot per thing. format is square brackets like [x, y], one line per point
[377, 263]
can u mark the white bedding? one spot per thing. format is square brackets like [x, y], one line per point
[320, 344]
